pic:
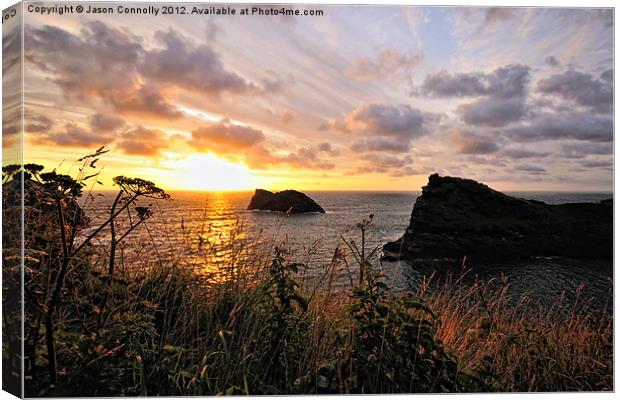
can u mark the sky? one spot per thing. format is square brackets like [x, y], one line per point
[360, 98]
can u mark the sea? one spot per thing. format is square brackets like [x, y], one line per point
[207, 230]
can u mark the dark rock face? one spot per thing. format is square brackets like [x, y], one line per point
[285, 201]
[260, 199]
[457, 217]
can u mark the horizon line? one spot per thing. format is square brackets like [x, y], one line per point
[365, 190]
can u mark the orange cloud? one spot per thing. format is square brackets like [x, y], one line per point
[100, 122]
[225, 137]
[389, 61]
[244, 142]
[146, 102]
[143, 142]
[73, 135]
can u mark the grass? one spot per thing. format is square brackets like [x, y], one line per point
[519, 346]
[100, 322]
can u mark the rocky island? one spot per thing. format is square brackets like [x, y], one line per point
[457, 217]
[285, 201]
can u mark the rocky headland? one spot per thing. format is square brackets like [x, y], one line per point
[457, 217]
[290, 201]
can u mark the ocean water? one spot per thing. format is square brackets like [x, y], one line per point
[206, 228]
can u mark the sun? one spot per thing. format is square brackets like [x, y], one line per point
[210, 172]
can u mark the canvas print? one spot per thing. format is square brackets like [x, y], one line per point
[233, 199]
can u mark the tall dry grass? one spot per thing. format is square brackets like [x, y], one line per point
[517, 345]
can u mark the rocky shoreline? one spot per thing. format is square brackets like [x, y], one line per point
[456, 217]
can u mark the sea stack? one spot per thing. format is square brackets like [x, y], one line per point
[457, 217]
[285, 201]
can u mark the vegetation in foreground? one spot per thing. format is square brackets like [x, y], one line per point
[100, 324]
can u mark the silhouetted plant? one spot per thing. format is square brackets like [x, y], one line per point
[280, 345]
[139, 187]
[131, 189]
[394, 348]
[361, 256]
[62, 191]
[283, 285]
[9, 171]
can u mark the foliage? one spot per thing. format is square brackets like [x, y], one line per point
[395, 349]
[140, 187]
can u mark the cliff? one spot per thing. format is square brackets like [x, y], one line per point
[457, 217]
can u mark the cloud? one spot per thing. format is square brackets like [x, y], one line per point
[501, 93]
[381, 120]
[191, 67]
[100, 122]
[407, 171]
[327, 149]
[476, 25]
[73, 135]
[486, 159]
[317, 157]
[383, 132]
[112, 64]
[11, 49]
[444, 84]
[519, 153]
[532, 169]
[582, 88]
[38, 123]
[384, 162]
[493, 112]
[494, 15]
[225, 137]
[287, 115]
[304, 157]
[146, 102]
[242, 142]
[272, 83]
[99, 61]
[376, 163]
[401, 121]
[141, 141]
[387, 62]
[383, 127]
[552, 61]
[582, 150]
[607, 164]
[473, 143]
[504, 82]
[385, 144]
[565, 125]
[11, 128]
[604, 16]
[103, 129]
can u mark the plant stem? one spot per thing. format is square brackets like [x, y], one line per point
[113, 235]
